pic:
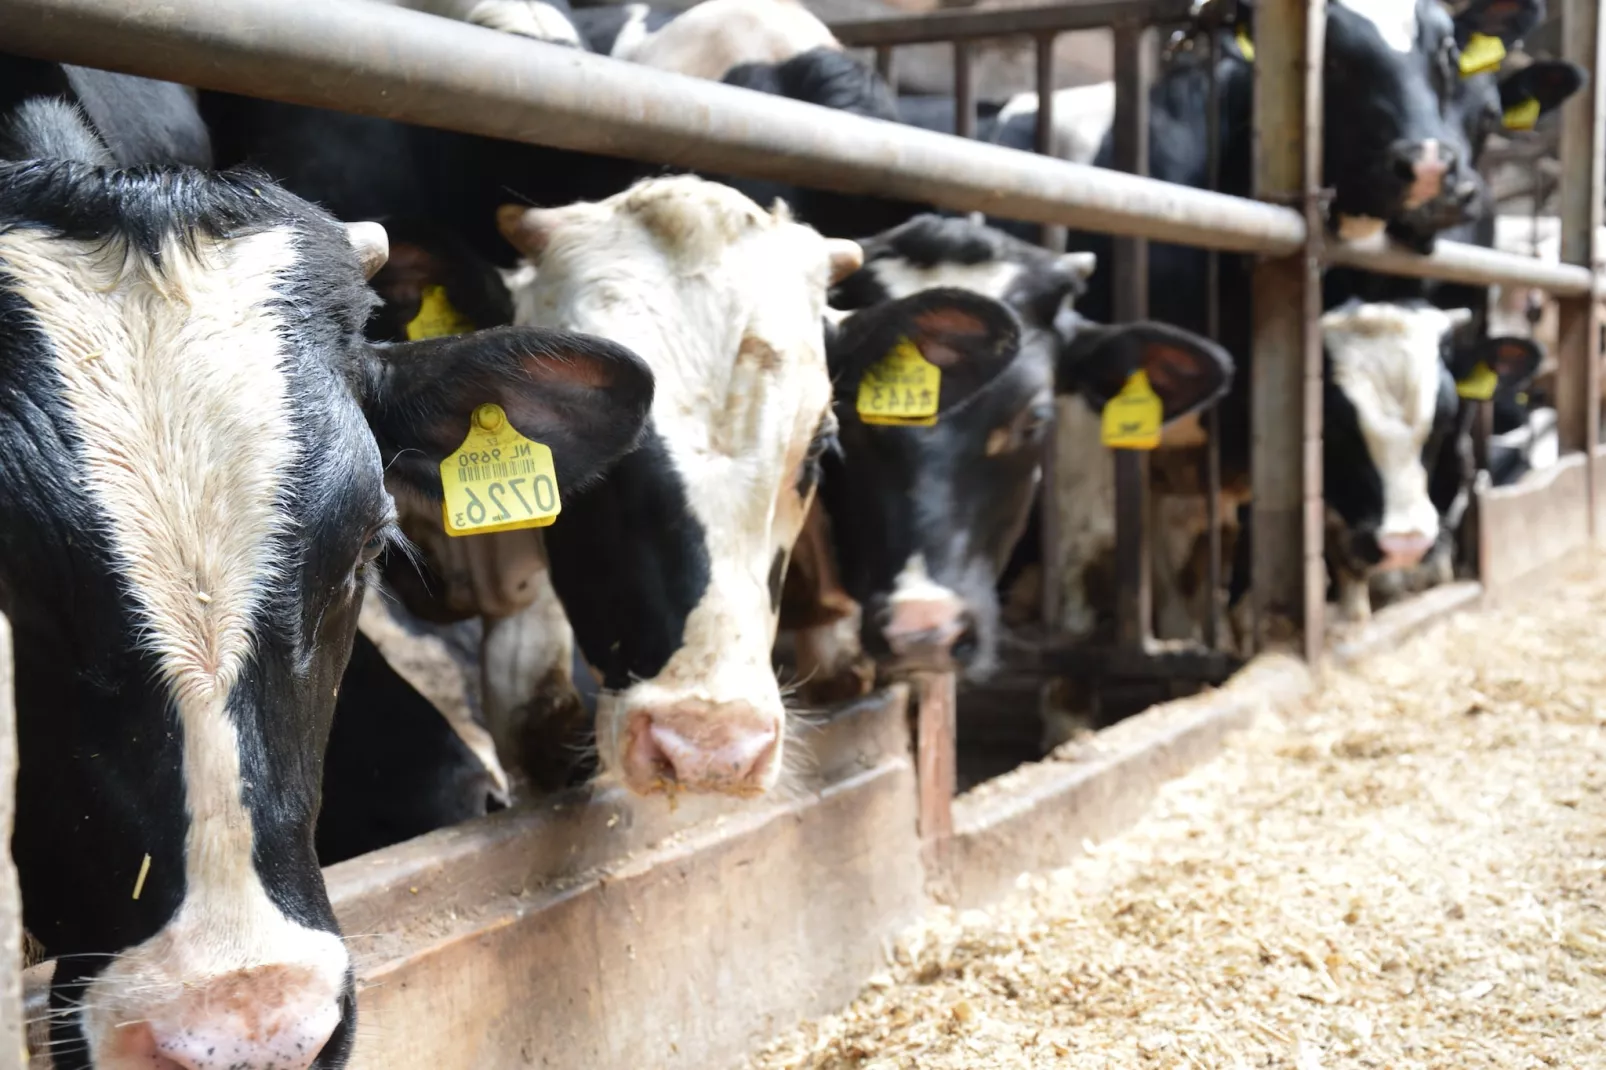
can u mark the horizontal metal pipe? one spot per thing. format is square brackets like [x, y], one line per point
[970, 25]
[1470, 264]
[378, 60]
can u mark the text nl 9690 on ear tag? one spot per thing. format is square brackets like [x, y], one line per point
[1132, 419]
[1479, 385]
[901, 389]
[497, 480]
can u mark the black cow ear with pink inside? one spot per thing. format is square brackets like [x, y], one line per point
[1496, 367]
[1538, 89]
[904, 363]
[1145, 367]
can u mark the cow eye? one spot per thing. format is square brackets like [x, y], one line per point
[375, 544]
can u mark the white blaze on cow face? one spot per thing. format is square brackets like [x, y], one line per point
[1386, 358]
[726, 302]
[1396, 20]
[175, 385]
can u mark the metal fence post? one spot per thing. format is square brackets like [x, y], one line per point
[1289, 577]
[1134, 73]
[1578, 355]
[13, 1029]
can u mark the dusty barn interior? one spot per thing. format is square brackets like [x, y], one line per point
[757, 533]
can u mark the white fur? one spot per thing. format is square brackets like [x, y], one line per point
[633, 34]
[900, 278]
[914, 584]
[527, 18]
[1386, 359]
[716, 35]
[1395, 20]
[1083, 116]
[726, 302]
[175, 386]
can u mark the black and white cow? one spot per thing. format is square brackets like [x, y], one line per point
[198, 435]
[670, 570]
[924, 519]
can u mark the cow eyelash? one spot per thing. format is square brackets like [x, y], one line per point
[379, 540]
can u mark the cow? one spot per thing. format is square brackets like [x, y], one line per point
[670, 570]
[198, 436]
[925, 519]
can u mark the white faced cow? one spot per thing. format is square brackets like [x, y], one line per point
[670, 570]
[196, 437]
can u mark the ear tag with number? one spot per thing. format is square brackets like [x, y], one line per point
[1479, 385]
[1523, 116]
[901, 389]
[1245, 45]
[497, 480]
[1133, 417]
[436, 317]
[1482, 55]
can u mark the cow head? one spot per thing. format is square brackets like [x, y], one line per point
[670, 571]
[198, 435]
[1389, 405]
[925, 518]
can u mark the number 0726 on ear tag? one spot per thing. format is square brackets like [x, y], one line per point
[497, 480]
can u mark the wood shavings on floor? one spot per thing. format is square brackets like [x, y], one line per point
[1409, 872]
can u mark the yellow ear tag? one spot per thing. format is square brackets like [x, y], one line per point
[901, 389]
[1482, 55]
[1133, 417]
[1480, 385]
[1245, 45]
[1523, 116]
[497, 480]
[436, 317]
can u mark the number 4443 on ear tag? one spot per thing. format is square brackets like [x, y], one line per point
[901, 389]
[1132, 419]
[497, 480]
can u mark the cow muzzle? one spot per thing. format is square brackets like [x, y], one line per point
[727, 748]
[266, 1018]
[1403, 551]
[1423, 166]
[927, 632]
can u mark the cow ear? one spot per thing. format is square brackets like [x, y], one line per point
[1508, 20]
[434, 285]
[585, 398]
[970, 338]
[1515, 361]
[1186, 371]
[1547, 82]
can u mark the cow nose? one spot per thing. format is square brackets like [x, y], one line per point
[926, 629]
[257, 1019]
[1403, 551]
[1422, 166]
[728, 748]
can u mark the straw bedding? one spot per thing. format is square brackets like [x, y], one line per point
[1409, 871]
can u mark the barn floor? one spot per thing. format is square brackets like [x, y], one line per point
[1409, 871]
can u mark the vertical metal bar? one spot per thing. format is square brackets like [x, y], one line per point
[1289, 577]
[1212, 420]
[13, 1045]
[964, 91]
[1053, 238]
[1578, 353]
[1052, 235]
[936, 766]
[1134, 72]
[886, 63]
